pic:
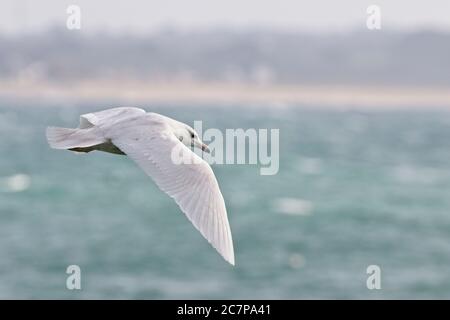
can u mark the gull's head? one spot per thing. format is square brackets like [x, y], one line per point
[189, 137]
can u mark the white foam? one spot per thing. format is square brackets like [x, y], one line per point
[311, 166]
[296, 261]
[293, 206]
[411, 174]
[16, 183]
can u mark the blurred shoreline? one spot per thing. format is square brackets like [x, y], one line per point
[133, 91]
[357, 70]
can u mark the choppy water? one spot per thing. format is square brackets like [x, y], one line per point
[354, 189]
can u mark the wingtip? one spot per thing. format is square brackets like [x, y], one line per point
[229, 259]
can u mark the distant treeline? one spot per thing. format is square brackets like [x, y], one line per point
[370, 57]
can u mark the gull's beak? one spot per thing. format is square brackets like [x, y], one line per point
[205, 148]
[200, 145]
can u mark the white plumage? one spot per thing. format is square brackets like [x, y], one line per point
[150, 140]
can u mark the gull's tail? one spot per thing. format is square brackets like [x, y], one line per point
[65, 138]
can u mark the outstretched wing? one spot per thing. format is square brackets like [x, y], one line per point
[192, 185]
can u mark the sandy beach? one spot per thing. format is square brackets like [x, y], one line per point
[206, 93]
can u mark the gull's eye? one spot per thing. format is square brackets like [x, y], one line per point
[192, 135]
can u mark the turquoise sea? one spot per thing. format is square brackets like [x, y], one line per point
[354, 189]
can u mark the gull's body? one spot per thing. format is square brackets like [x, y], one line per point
[149, 139]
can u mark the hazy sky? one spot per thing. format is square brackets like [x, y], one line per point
[150, 15]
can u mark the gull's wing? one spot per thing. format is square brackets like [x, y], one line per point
[193, 186]
[109, 116]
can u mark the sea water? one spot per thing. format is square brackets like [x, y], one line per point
[353, 190]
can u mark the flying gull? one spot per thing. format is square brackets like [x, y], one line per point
[150, 139]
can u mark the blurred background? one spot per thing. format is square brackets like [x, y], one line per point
[364, 151]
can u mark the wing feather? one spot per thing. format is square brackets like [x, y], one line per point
[193, 186]
[109, 116]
